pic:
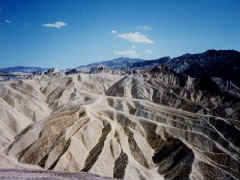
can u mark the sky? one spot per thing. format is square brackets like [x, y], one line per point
[69, 33]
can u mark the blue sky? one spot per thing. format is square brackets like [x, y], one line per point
[68, 33]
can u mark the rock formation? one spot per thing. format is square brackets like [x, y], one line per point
[155, 124]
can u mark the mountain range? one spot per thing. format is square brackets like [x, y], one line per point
[168, 119]
[224, 64]
[22, 69]
[121, 63]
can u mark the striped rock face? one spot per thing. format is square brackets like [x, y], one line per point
[154, 125]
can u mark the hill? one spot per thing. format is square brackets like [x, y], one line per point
[156, 124]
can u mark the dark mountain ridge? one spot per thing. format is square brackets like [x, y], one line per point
[218, 63]
[122, 63]
[150, 63]
[224, 64]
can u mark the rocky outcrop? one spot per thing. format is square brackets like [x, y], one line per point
[21, 104]
[163, 86]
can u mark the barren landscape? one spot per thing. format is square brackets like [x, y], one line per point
[119, 90]
[151, 124]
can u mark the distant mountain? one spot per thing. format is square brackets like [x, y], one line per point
[224, 64]
[122, 63]
[150, 63]
[22, 69]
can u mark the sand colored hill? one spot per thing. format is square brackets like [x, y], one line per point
[153, 125]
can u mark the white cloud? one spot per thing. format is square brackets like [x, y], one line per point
[114, 32]
[149, 51]
[147, 28]
[127, 53]
[135, 37]
[133, 46]
[57, 24]
[8, 21]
